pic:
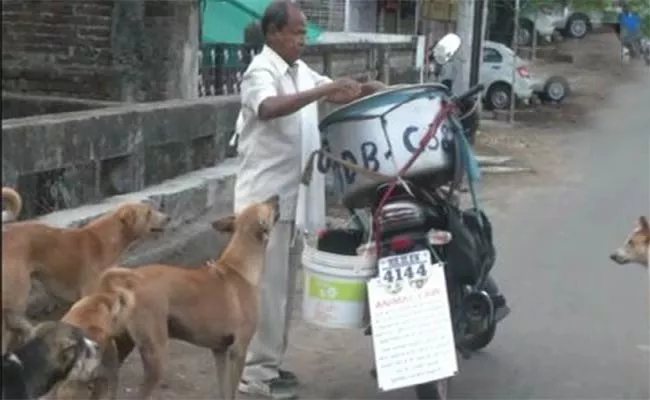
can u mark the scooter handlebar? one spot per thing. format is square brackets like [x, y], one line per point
[473, 91]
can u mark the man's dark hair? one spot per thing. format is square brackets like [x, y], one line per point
[277, 13]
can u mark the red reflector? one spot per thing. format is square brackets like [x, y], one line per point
[399, 243]
[523, 72]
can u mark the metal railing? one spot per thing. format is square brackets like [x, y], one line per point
[221, 67]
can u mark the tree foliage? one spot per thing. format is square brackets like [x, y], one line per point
[642, 7]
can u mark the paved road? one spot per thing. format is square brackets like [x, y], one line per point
[579, 327]
[580, 322]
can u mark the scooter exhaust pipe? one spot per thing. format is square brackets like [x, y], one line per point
[478, 309]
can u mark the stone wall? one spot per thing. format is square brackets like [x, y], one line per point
[359, 59]
[146, 50]
[57, 46]
[69, 159]
[101, 49]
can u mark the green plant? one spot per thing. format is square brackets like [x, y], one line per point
[642, 7]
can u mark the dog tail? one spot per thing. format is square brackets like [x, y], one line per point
[122, 308]
[13, 202]
[118, 277]
[121, 283]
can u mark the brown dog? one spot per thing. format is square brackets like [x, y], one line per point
[636, 247]
[13, 202]
[101, 316]
[213, 306]
[66, 260]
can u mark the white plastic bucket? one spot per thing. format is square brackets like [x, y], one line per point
[334, 293]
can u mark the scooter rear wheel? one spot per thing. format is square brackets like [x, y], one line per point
[481, 340]
[429, 390]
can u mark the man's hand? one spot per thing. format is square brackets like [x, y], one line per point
[371, 87]
[343, 91]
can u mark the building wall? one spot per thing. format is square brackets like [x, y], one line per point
[56, 46]
[330, 15]
[126, 50]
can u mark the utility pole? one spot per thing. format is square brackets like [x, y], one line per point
[416, 25]
[470, 28]
[477, 42]
[533, 50]
[515, 48]
[346, 16]
[464, 29]
[484, 32]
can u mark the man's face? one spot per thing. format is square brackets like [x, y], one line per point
[289, 41]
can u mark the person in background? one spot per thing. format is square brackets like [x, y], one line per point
[279, 115]
[630, 30]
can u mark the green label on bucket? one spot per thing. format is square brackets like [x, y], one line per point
[336, 290]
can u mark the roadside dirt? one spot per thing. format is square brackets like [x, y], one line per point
[537, 136]
[335, 364]
[596, 67]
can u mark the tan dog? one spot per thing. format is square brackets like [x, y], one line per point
[213, 306]
[636, 246]
[13, 203]
[66, 260]
[48, 353]
[101, 316]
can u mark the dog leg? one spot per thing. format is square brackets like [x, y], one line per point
[152, 361]
[152, 345]
[102, 389]
[111, 373]
[222, 362]
[125, 345]
[237, 359]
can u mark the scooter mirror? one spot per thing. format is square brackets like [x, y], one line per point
[446, 48]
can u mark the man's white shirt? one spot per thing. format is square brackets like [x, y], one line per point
[272, 153]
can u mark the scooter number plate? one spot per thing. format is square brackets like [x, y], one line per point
[405, 269]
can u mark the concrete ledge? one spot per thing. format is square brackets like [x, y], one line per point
[21, 105]
[184, 198]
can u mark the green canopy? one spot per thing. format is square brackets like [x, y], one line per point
[224, 21]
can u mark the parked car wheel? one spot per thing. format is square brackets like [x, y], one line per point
[577, 26]
[526, 32]
[498, 96]
[556, 88]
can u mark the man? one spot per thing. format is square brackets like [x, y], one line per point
[630, 30]
[279, 113]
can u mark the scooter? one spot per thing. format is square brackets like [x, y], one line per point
[419, 224]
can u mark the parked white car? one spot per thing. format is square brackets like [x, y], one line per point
[576, 24]
[500, 72]
[545, 20]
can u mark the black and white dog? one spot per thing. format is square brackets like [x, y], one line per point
[50, 352]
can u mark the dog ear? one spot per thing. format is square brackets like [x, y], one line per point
[18, 324]
[225, 224]
[643, 224]
[127, 215]
[67, 351]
